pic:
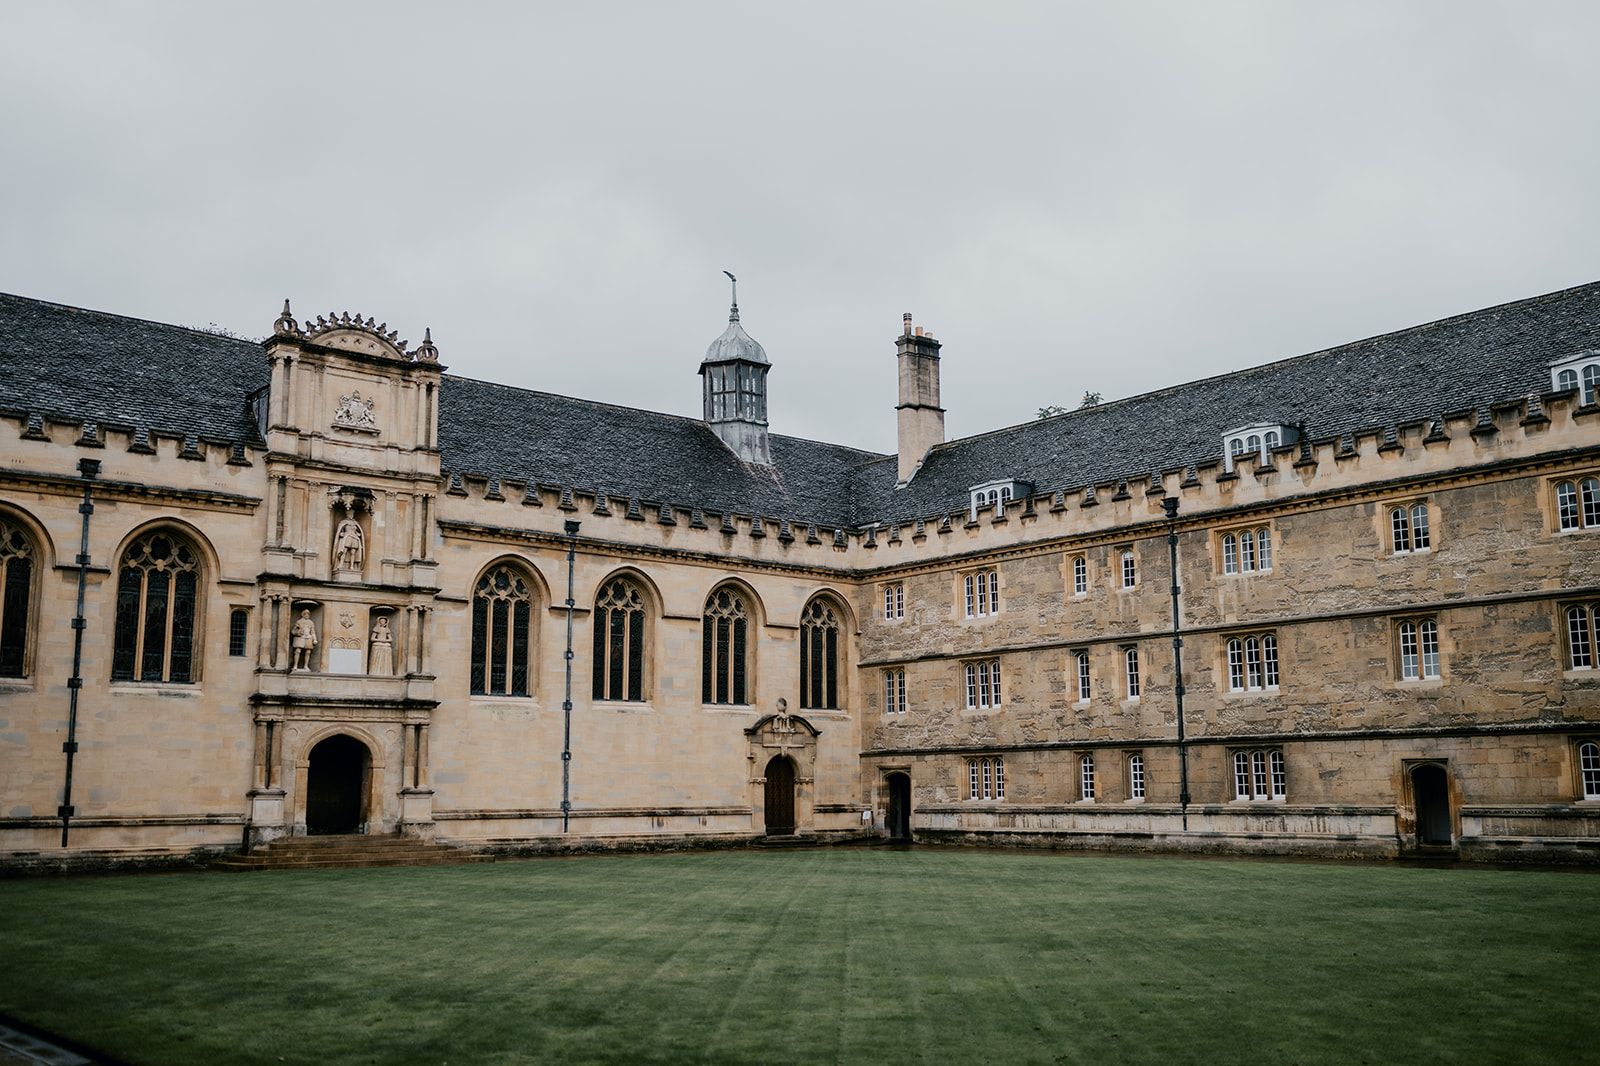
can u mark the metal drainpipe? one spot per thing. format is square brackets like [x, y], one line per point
[89, 469]
[1170, 505]
[566, 704]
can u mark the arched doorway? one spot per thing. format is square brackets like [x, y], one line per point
[336, 786]
[899, 806]
[780, 796]
[1430, 792]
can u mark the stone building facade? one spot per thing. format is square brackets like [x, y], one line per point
[318, 584]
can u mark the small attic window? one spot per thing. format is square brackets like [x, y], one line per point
[1258, 440]
[996, 494]
[1581, 371]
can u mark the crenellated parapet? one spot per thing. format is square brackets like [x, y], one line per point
[1504, 437]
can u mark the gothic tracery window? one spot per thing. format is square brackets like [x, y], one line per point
[725, 649]
[502, 615]
[157, 600]
[16, 588]
[819, 657]
[619, 620]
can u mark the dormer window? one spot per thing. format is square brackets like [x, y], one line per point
[1259, 441]
[997, 494]
[1581, 372]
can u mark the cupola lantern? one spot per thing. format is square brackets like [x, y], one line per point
[735, 388]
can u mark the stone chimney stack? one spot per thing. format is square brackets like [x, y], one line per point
[921, 419]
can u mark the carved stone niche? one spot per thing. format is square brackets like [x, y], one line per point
[346, 634]
[352, 532]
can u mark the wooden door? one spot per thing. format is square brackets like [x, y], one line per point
[780, 796]
[899, 807]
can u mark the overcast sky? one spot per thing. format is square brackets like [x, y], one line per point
[1071, 196]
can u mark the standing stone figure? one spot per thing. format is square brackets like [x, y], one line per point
[303, 638]
[349, 549]
[382, 649]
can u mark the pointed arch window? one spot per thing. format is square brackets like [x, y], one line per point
[157, 599]
[16, 594]
[725, 649]
[619, 621]
[819, 657]
[502, 615]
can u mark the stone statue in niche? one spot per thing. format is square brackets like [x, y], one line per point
[303, 639]
[349, 547]
[354, 413]
[782, 720]
[382, 660]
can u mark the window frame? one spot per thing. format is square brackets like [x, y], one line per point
[20, 554]
[1410, 525]
[1084, 678]
[1575, 502]
[1251, 663]
[636, 642]
[1259, 775]
[1087, 790]
[1080, 576]
[980, 592]
[140, 619]
[986, 778]
[982, 684]
[1131, 678]
[482, 648]
[1586, 761]
[894, 601]
[238, 632]
[1413, 637]
[1581, 629]
[1128, 569]
[894, 690]
[1243, 550]
[1138, 781]
[732, 674]
[827, 633]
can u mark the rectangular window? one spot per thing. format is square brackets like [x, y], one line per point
[894, 601]
[1086, 778]
[1589, 769]
[238, 630]
[1130, 571]
[1420, 538]
[1259, 775]
[1130, 659]
[1136, 776]
[982, 593]
[1085, 690]
[1418, 640]
[1408, 526]
[1247, 551]
[1230, 553]
[986, 778]
[1400, 529]
[1080, 576]
[894, 691]
[983, 684]
[1581, 624]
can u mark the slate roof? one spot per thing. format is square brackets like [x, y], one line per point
[72, 365]
[75, 365]
[1447, 367]
[557, 440]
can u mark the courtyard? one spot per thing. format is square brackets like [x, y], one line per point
[840, 955]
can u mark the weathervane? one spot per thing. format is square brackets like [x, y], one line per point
[733, 312]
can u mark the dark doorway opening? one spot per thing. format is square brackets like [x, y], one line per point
[780, 797]
[1430, 791]
[336, 786]
[899, 807]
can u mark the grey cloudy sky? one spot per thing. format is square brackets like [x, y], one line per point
[1070, 195]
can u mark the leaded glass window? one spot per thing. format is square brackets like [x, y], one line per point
[819, 657]
[619, 642]
[158, 586]
[502, 616]
[16, 595]
[724, 649]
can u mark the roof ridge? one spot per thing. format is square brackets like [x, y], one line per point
[130, 318]
[1169, 389]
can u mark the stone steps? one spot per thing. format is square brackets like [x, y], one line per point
[343, 852]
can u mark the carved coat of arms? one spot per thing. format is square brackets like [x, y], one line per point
[354, 413]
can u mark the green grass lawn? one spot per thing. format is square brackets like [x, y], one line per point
[844, 955]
